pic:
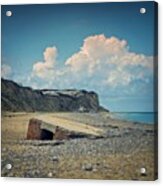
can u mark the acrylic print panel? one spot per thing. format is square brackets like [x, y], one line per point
[79, 91]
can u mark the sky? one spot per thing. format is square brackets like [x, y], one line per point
[103, 47]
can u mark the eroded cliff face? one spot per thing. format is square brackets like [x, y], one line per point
[18, 98]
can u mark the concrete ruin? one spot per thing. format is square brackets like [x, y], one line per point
[39, 130]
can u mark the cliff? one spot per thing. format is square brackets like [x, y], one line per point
[17, 98]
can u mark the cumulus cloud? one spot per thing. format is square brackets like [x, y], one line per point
[96, 50]
[5, 71]
[106, 61]
[46, 68]
[112, 57]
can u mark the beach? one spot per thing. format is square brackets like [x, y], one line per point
[121, 153]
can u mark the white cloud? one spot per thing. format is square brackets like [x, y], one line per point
[111, 56]
[106, 61]
[96, 50]
[119, 77]
[5, 71]
[46, 69]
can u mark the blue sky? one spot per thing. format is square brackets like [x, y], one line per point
[105, 47]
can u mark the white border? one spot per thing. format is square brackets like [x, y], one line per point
[47, 182]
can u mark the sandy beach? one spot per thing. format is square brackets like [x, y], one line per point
[123, 150]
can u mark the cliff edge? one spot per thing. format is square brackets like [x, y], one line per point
[17, 98]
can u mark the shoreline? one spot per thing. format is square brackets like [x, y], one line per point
[113, 115]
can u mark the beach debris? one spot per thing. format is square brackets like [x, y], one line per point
[40, 130]
[34, 129]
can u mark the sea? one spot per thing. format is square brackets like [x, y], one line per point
[137, 117]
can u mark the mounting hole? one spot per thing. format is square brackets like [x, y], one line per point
[143, 170]
[8, 13]
[142, 10]
[8, 166]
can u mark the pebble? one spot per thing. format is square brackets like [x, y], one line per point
[87, 167]
[50, 174]
[55, 158]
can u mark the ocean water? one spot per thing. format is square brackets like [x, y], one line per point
[141, 117]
